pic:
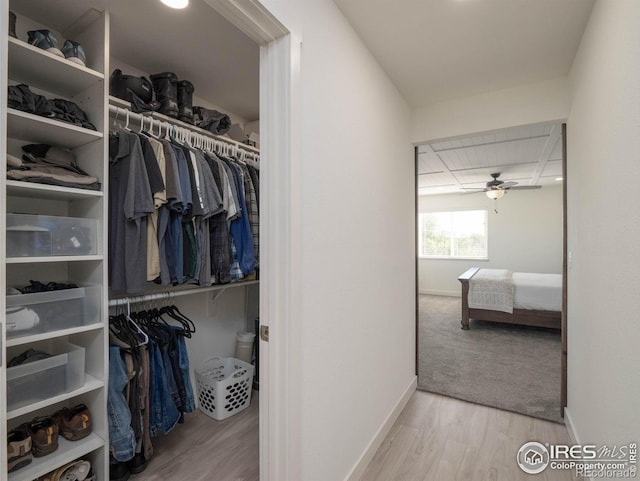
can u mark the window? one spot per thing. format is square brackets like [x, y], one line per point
[454, 235]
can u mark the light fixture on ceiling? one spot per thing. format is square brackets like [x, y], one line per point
[176, 3]
[495, 193]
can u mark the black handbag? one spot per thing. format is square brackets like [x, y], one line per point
[123, 86]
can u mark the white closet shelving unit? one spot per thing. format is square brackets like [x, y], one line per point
[56, 77]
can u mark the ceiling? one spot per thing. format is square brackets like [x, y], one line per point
[529, 155]
[196, 43]
[433, 50]
[436, 50]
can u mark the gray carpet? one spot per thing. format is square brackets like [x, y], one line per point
[510, 367]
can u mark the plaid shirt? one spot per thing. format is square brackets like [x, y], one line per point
[252, 210]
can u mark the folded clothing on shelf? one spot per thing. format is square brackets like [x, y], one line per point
[215, 122]
[44, 164]
[37, 286]
[30, 355]
[22, 98]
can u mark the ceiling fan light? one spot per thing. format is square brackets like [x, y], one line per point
[495, 193]
[176, 3]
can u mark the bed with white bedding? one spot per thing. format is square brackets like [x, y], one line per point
[518, 298]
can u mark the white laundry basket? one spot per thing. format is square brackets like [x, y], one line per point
[224, 386]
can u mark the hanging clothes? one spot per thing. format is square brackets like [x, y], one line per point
[150, 389]
[199, 211]
[130, 203]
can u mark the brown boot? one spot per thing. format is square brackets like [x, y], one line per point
[75, 423]
[44, 436]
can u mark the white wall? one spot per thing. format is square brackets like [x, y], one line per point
[604, 227]
[525, 236]
[541, 102]
[357, 239]
[216, 324]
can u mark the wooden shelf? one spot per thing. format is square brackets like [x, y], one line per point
[67, 451]
[37, 129]
[38, 68]
[18, 188]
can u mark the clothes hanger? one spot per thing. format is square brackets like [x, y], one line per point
[136, 326]
[126, 124]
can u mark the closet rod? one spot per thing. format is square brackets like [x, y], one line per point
[191, 130]
[168, 295]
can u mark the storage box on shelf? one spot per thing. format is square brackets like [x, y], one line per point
[43, 235]
[61, 372]
[50, 311]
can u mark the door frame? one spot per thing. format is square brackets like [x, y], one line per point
[279, 231]
[564, 333]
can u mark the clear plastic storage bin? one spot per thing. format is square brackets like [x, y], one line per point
[49, 311]
[39, 380]
[46, 235]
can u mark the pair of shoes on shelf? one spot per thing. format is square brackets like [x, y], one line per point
[37, 438]
[18, 448]
[73, 424]
[71, 50]
[44, 436]
[79, 470]
[40, 437]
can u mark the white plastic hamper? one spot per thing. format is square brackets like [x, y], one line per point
[224, 386]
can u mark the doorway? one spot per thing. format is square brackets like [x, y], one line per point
[521, 230]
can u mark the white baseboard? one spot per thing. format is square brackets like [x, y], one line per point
[568, 421]
[573, 434]
[366, 457]
[440, 293]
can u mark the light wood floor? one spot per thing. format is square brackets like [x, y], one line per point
[444, 439]
[203, 449]
[435, 438]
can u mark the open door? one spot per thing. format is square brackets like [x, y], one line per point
[279, 80]
[563, 388]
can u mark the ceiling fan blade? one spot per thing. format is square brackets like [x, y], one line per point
[526, 187]
[474, 188]
[478, 191]
[508, 184]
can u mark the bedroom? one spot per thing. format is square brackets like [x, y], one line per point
[522, 232]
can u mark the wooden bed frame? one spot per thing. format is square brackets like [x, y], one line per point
[524, 317]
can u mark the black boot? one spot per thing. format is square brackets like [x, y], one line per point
[165, 86]
[12, 25]
[185, 101]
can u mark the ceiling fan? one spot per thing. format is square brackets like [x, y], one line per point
[497, 188]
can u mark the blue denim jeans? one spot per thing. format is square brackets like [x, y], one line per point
[189, 404]
[121, 436]
[164, 414]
